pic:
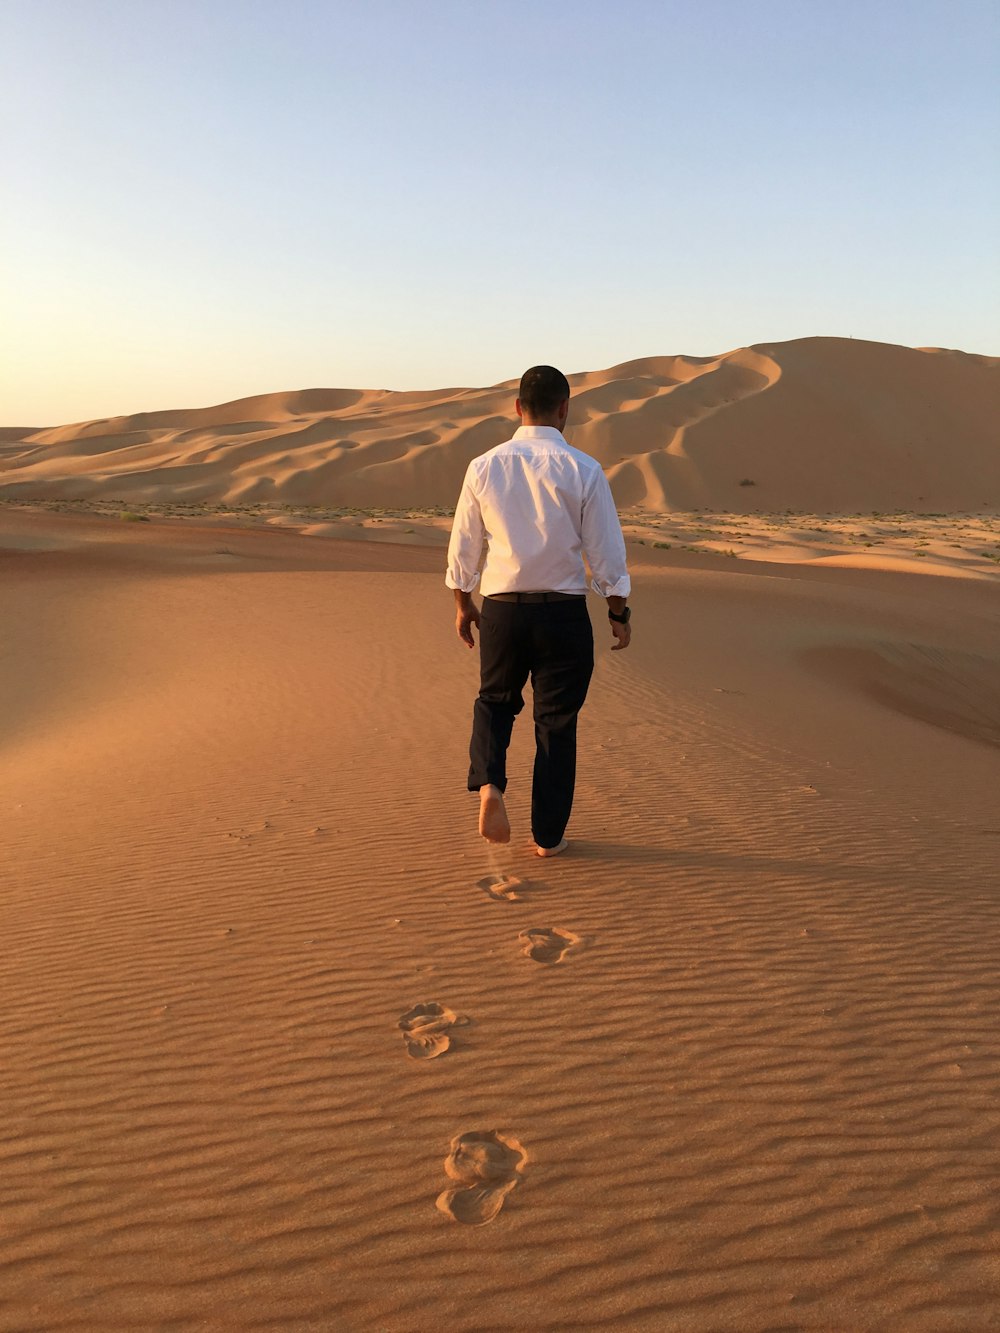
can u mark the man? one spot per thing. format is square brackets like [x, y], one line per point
[536, 503]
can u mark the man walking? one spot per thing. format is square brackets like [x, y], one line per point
[537, 504]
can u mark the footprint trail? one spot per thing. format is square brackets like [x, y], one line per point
[487, 1165]
[503, 889]
[426, 1030]
[547, 944]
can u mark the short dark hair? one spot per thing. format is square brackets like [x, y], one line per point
[543, 388]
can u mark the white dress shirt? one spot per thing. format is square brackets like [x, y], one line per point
[539, 505]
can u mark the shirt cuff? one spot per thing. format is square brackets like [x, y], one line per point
[620, 589]
[464, 582]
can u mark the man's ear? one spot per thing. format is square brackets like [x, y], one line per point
[517, 407]
[563, 412]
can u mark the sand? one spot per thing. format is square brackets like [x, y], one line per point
[286, 1045]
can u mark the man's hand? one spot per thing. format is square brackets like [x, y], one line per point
[466, 615]
[623, 633]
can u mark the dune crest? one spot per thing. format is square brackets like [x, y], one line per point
[818, 424]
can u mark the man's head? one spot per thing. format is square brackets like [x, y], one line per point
[543, 399]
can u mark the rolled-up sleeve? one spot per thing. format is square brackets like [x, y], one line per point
[603, 543]
[467, 537]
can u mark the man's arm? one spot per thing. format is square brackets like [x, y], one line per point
[464, 553]
[604, 547]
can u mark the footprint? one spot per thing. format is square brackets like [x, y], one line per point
[487, 1166]
[503, 889]
[425, 1030]
[546, 944]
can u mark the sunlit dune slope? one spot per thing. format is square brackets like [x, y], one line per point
[814, 424]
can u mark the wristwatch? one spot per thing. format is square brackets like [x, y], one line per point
[624, 618]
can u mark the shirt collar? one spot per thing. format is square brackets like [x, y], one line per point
[539, 433]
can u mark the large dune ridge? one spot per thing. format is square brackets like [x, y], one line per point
[814, 424]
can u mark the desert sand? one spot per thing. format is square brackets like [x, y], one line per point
[286, 1045]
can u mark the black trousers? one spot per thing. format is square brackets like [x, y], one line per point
[553, 643]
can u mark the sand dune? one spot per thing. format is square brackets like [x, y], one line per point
[817, 424]
[286, 1045]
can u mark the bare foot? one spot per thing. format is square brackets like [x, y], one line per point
[552, 851]
[493, 822]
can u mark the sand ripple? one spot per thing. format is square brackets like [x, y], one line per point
[764, 1095]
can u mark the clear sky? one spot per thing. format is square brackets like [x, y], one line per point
[205, 199]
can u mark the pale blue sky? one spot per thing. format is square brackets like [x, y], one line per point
[211, 198]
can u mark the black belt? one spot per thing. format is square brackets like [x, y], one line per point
[537, 596]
